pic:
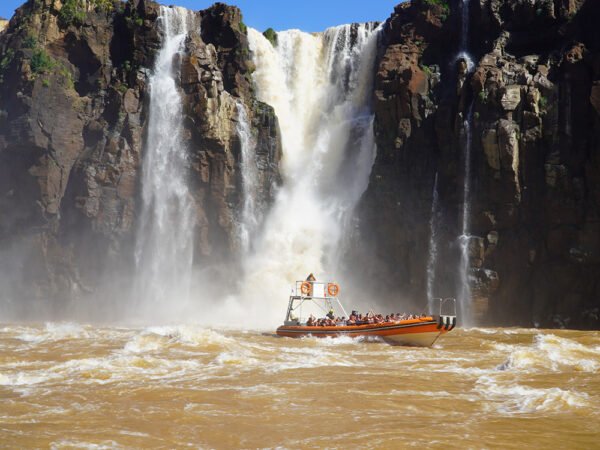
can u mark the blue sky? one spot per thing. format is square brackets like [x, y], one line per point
[308, 15]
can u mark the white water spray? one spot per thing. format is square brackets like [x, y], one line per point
[250, 214]
[320, 87]
[432, 257]
[164, 248]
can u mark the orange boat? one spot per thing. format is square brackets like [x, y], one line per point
[317, 296]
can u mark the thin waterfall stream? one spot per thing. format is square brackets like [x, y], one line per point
[464, 300]
[164, 246]
[432, 256]
[250, 215]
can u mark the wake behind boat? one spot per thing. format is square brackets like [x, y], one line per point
[397, 329]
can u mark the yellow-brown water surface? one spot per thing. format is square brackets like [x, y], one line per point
[78, 386]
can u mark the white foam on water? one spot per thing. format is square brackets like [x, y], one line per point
[517, 399]
[53, 332]
[551, 352]
[162, 337]
[69, 443]
[343, 340]
[240, 358]
[24, 378]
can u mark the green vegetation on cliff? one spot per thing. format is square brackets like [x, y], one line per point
[74, 12]
[271, 36]
[41, 62]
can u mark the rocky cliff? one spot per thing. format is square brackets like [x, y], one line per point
[73, 118]
[532, 102]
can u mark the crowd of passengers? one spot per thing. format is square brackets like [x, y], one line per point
[359, 319]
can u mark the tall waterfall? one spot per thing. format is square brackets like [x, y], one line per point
[164, 247]
[320, 87]
[432, 256]
[250, 214]
[465, 292]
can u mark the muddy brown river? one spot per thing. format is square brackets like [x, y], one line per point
[79, 386]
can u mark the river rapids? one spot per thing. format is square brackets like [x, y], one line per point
[76, 386]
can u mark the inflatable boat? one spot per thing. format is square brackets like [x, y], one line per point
[310, 295]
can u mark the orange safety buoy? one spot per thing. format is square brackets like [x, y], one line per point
[333, 289]
[305, 287]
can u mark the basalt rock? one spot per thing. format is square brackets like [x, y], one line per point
[73, 118]
[532, 102]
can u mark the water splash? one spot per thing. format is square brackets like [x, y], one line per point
[320, 87]
[164, 247]
[432, 257]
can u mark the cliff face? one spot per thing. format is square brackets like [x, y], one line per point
[73, 117]
[532, 101]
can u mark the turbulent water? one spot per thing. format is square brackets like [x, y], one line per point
[320, 86]
[165, 240]
[73, 386]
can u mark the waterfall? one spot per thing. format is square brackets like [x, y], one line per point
[432, 257]
[464, 301]
[320, 86]
[250, 215]
[164, 246]
[464, 36]
[465, 293]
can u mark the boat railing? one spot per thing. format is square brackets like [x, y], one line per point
[447, 317]
[323, 295]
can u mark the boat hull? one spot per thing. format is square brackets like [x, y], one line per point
[417, 332]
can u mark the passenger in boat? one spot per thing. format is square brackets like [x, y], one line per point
[311, 321]
[330, 314]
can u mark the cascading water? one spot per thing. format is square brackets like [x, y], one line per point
[432, 257]
[320, 87]
[464, 37]
[250, 214]
[465, 293]
[164, 247]
[464, 302]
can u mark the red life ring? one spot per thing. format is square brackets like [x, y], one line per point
[333, 289]
[305, 288]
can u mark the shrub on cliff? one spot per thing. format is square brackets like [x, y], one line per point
[72, 12]
[271, 36]
[41, 62]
